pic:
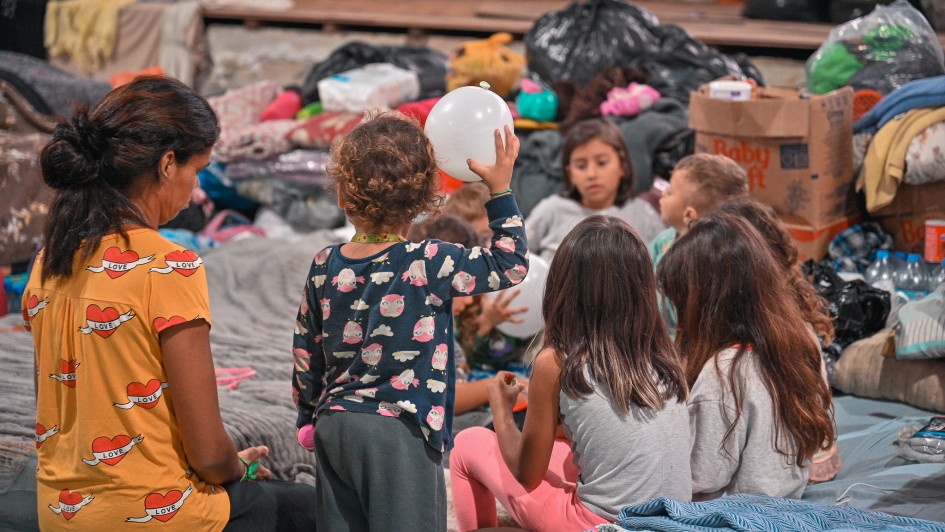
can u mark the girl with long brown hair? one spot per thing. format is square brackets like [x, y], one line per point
[608, 373]
[759, 406]
[825, 464]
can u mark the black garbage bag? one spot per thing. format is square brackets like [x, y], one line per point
[580, 41]
[682, 63]
[793, 10]
[858, 309]
[584, 40]
[430, 66]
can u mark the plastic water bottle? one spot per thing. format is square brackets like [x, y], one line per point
[912, 278]
[881, 272]
[898, 260]
[937, 276]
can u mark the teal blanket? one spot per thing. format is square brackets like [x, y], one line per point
[759, 513]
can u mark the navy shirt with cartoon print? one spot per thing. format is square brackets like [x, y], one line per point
[375, 334]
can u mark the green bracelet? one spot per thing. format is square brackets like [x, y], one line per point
[251, 469]
[499, 193]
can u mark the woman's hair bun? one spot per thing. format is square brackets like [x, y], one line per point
[73, 158]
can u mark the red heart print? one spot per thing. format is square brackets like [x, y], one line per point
[156, 500]
[102, 445]
[163, 323]
[143, 390]
[115, 254]
[40, 430]
[183, 255]
[32, 302]
[96, 313]
[70, 498]
[68, 366]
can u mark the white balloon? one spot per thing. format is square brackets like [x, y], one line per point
[531, 292]
[461, 126]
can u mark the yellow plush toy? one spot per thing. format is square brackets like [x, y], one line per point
[486, 60]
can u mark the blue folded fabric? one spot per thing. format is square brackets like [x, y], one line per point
[744, 512]
[927, 92]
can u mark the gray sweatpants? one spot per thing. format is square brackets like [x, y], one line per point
[376, 473]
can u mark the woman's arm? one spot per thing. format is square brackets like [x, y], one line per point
[528, 453]
[192, 389]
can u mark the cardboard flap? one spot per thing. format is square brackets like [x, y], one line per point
[775, 113]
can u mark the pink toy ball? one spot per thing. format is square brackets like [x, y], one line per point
[307, 437]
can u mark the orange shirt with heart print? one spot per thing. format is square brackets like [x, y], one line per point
[108, 443]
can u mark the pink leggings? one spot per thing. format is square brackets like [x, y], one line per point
[479, 476]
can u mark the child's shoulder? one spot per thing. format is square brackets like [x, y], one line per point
[554, 205]
[548, 361]
[321, 258]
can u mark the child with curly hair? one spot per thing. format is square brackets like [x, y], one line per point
[373, 344]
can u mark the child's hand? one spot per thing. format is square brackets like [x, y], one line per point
[498, 176]
[255, 454]
[504, 390]
[495, 311]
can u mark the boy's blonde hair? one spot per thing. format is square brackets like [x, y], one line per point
[716, 178]
[468, 202]
[386, 171]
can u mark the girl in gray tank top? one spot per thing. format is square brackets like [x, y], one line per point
[607, 423]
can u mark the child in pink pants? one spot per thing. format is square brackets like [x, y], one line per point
[607, 377]
[553, 503]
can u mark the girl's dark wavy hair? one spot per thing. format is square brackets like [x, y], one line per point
[728, 290]
[784, 251]
[95, 159]
[601, 317]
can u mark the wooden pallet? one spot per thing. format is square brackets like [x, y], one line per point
[712, 23]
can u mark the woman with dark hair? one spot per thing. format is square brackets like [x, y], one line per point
[128, 427]
[759, 406]
[598, 180]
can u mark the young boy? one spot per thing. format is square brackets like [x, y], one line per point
[699, 183]
[467, 203]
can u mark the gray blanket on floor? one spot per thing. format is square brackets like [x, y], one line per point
[255, 288]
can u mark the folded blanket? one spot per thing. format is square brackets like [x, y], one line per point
[744, 512]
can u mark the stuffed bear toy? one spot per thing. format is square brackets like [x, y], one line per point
[486, 60]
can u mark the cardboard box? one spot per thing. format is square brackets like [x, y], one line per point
[905, 217]
[812, 241]
[798, 151]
